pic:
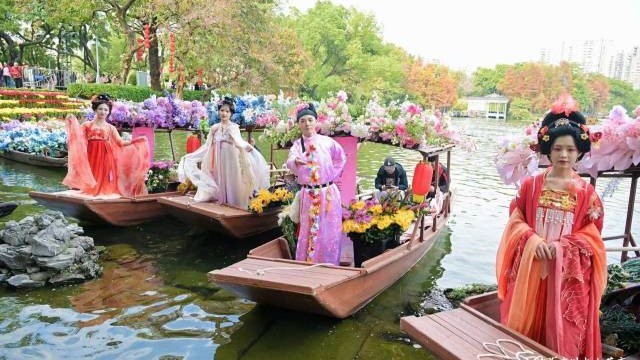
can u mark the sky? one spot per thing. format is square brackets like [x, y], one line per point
[467, 34]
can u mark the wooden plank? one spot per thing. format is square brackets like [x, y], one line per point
[292, 277]
[518, 336]
[479, 330]
[438, 339]
[334, 272]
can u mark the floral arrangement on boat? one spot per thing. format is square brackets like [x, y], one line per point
[46, 138]
[165, 112]
[375, 226]
[407, 125]
[265, 199]
[161, 174]
[615, 145]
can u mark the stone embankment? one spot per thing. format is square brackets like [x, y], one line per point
[46, 249]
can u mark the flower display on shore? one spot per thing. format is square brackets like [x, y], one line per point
[42, 138]
[615, 146]
[156, 112]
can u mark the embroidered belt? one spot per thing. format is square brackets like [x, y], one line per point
[317, 186]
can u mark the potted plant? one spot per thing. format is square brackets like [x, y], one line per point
[160, 175]
[375, 226]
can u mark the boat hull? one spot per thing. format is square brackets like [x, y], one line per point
[335, 291]
[219, 218]
[36, 160]
[116, 212]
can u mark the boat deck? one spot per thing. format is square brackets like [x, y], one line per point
[294, 276]
[461, 334]
[209, 208]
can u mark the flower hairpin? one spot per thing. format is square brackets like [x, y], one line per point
[561, 122]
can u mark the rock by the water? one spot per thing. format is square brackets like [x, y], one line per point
[49, 250]
[64, 279]
[7, 208]
[23, 281]
[12, 258]
[58, 262]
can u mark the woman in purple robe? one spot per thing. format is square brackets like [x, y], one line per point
[317, 161]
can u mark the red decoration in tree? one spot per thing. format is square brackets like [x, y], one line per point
[140, 50]
[147, 35]
[422, 176]
[172, 53]
[200, 72]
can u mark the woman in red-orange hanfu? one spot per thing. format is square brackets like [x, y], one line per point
[100, 161]
[551, 264]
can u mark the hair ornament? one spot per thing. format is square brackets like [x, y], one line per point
[565, 104]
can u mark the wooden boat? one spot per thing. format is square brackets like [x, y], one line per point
[471, 330]
[6, 208]
[269, 275]
[117, 211]
[33, 159]
[220, 218]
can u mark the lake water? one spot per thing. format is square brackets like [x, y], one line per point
[154, 300]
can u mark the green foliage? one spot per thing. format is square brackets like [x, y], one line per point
[460, 105]
[519, 109]
[457, 295]
[120, 92]
[617, 276]
[615, 320]
[128, 92]
[622, 93]
[485, 80]
[347, 53]
[288, 228]
[632, 268]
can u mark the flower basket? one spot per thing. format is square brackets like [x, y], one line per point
[364, 250]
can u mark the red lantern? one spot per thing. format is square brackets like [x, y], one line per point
[193, 143]
[147, 35]
[140, 51]
[422, 176]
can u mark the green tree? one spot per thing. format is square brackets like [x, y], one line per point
[622, 93]
[347, 52]
[485, 80]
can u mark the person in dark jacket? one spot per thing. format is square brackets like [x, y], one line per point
[443, 180]
[391, 177]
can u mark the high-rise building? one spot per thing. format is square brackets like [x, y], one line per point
[632, 70]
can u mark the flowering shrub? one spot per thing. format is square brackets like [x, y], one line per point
[615, 145]
[155, 112]
[160, 174]
[265, 199]
[380, 220]
[43, 138]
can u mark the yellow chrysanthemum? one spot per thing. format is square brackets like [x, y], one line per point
[376, 210]
[357, 205]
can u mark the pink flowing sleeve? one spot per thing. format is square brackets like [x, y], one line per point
[79, 175]
[294, 152]
[338, 158]
[132, 165]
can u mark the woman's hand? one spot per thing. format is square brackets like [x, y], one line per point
[300, 162]
[70, 117]
[545, 252]
[249, 148]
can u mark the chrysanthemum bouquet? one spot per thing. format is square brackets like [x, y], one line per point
[265, 199]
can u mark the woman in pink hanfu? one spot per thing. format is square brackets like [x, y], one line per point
[317, 161]
[100, 161]
[551, 264]
[226, 168]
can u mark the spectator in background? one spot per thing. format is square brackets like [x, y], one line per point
[16, 74]
[6, 76]
[1, 68]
